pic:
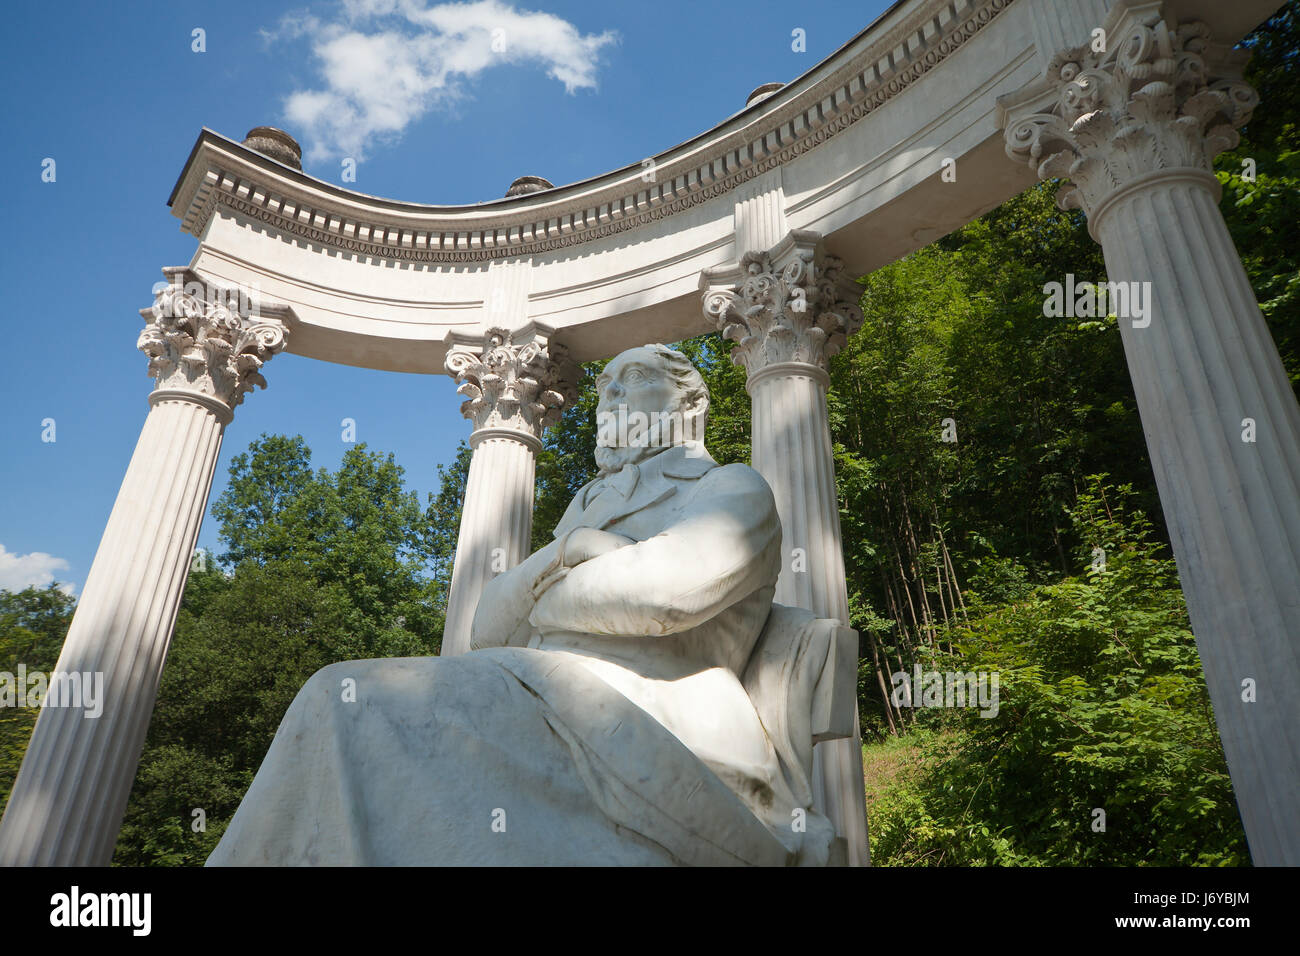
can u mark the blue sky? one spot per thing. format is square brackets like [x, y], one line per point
[115, 94]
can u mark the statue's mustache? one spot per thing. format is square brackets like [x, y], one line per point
[619, 427]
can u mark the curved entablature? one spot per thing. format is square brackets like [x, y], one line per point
[853, 149]
[859, 78]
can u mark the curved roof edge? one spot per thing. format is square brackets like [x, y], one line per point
[881, 62]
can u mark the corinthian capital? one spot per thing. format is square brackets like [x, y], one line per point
[521, 386]
[208, 339]
[1158, 98]
[791, 303]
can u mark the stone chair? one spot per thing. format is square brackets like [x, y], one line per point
[802, 677]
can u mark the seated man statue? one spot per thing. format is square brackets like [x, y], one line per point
[627, 699]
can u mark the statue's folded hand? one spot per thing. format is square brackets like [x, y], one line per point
[579, 545]
[583, 544]
[720, 543]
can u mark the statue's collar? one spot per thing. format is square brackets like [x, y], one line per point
[682, 461]
[679, 461]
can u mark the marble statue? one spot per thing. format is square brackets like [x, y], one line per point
[632, 695]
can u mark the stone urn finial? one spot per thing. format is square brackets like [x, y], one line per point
[528, 184]
[277, 144]
[762, 93]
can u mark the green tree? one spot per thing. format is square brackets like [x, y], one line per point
[33, 624]
[1261, 210]
[318, 567]
[1102, 706]
[566, 461]
[442, 518]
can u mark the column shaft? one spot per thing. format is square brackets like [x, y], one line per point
[206, 345]
[792, 450]
[495, 526]
[1135, 128]
[1204, 364]
[516, 384]
[789, 309]
[71, 793]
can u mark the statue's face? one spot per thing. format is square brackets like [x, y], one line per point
[636, 389]
[639, 380]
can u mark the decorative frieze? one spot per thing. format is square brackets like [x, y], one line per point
[804, 119]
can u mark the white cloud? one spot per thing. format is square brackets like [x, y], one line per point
[385, 63]
[18, 571]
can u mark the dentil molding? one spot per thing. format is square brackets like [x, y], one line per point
[773, 131]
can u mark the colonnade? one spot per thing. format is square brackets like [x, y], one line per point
[1135, 129]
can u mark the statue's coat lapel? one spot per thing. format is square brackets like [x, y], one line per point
[646, 488]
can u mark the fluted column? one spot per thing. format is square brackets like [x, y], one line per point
[71, 793]
[789, 309]
[1136, 131]
[514, 391]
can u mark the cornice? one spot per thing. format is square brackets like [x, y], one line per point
[871, 70]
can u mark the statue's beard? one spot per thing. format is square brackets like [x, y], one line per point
[622, 441]
[612, 459]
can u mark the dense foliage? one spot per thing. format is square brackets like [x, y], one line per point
[319, 567]
[1103, 749]
[33, 623]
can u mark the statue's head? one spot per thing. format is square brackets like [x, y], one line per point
[650, 398]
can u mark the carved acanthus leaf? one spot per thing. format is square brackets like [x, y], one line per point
[794, 308]
[203, 339]
[1147, 103]
[522, 386]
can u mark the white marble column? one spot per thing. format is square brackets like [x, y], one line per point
[71, 793]
[789, 309]
[1136, 131]
[514, 391]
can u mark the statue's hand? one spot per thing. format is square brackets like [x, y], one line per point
[579, 545]
[583, 544]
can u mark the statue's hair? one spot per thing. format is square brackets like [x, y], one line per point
[694, 402]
